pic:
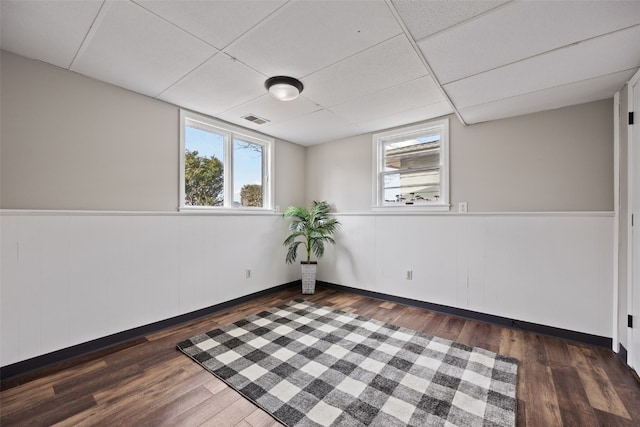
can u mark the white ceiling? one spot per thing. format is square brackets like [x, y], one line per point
[366, 65]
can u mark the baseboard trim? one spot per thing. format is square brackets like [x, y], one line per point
[622, 354]
[623, 357]
[580, 337]
[30, 367]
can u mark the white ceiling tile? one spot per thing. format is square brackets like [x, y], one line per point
[408, 96]
[315, 128]
[603, 55]
[133, 48]
[45, 30]
[216, 22]
[424, 18]
[304, 36]
[271, 109]
[548, 99]
[406, 117]
[361, 74]
[521, 30]
[218, 85]
[388, 64]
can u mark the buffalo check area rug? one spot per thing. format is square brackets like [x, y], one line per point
[309, 365]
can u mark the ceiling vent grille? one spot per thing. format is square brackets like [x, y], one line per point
[255, 119]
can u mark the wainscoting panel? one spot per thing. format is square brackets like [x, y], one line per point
[68, 278]
[10, 291]
[550, 269]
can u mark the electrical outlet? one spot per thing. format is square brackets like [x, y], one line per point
[248, 273]
[409, 275]
[462, 207]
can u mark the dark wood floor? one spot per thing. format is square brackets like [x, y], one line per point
[149, 383]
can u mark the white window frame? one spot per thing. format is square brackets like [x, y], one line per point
[442, 204]
[230, 133]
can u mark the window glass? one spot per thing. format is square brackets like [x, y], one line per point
[247, 174]
[412, 166]
[204, 167]
[223, 166]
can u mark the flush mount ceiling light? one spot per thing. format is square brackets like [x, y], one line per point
[284, 88]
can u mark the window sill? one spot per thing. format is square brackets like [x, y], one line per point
[411, 208]
[210, 210]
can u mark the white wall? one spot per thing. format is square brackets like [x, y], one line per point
[536, 245]
[552, 161]
[551, 269]
[71, 276]
[68, 278]
[71, 142]
[91, 241]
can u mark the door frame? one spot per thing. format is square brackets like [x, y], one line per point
[633, 197]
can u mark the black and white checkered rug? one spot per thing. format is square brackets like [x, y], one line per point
[309, 365]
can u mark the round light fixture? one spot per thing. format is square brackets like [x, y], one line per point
[284, 88]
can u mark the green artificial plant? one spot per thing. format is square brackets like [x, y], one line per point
[311, 228]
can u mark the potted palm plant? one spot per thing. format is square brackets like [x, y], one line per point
[311, 229]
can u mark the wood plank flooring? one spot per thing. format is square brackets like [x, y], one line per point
[147, 382]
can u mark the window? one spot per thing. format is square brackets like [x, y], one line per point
[412, 167]
[223, 166]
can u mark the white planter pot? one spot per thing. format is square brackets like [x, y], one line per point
[309, 277]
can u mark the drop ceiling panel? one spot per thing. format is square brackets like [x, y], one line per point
[408, 96]
[547, 99]
[135, 49]
[271, 109]
[357, 63]
[315, 128]
[216, 22]
[385, 65]
[402, 118]
[522, 30]
[586, 60]
[305, 36]
[48, 31]
[424, 18]
[216, 86]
